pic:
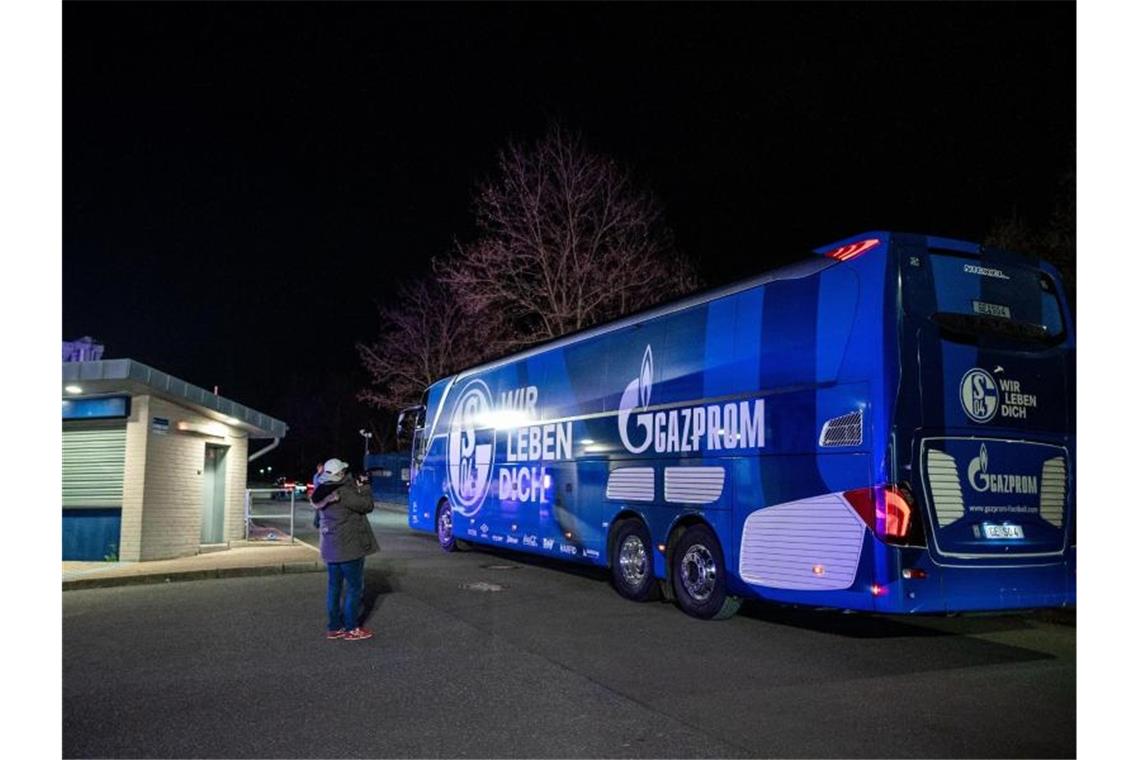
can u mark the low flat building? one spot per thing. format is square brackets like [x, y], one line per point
[153, 467]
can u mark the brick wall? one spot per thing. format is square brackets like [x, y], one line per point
[168, 521]
[134, 470]
[236, 463]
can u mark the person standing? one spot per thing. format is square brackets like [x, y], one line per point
[313, 489]
[342, 504]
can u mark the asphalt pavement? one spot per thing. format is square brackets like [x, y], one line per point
[481, 654]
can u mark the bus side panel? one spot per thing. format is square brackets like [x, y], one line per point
[797, 550]
[797, 555]
[686, 359]
[628, 402]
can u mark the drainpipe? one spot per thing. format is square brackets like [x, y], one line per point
[266, 450]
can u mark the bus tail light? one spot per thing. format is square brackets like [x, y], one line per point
[890, 512]
[852, 250]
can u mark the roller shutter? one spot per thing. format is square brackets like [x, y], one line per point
[93, 466]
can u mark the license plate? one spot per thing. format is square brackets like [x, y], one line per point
[1003, 531]
[991, 309]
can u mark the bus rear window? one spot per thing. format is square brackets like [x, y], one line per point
[971, 297]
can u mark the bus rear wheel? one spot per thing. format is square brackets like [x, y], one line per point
[631, 561]
[698, 575]
[444, 529]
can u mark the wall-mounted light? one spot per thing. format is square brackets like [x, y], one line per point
[73, 389]
[213, 429]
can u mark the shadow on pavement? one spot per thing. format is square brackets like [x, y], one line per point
[537, 560]
[378, 582]
[861, 625]
[855, 625]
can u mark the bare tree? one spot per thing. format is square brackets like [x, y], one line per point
[567, 241]
[426, 335]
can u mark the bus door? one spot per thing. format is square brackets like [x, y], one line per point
[986, 400]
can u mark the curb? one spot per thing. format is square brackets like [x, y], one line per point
[195, 575]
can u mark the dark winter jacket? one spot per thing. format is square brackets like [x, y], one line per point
[345, 532]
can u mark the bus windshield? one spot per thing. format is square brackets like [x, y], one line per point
[971, 297]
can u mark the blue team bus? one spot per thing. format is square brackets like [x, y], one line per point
[887, 426]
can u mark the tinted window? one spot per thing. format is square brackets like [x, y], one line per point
[970, 296]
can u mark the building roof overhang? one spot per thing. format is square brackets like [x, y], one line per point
[127, 376]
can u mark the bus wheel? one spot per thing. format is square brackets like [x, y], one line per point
[698, 575]
[443, 527]
[631, 561]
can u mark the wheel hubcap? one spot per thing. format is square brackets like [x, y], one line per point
[633, 561]
[445, 527]
[698, 572]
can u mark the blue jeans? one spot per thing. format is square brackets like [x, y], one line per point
[341, 573]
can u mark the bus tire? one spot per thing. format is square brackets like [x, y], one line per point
[699, 575]
[631, 561]
[445, 527]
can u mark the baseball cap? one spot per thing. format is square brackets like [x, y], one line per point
[335, 469]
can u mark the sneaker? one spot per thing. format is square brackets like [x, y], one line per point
[358, 634]
[337, 634]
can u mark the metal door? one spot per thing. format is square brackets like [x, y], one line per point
[214, 495]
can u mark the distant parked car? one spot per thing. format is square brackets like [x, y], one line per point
[286, 485]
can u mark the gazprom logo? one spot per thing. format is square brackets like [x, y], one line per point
[640, 389]
[979, 395]
[979, 465]
[730, 425]
[983, 481]
[470, 448]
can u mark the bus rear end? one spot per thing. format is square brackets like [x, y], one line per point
[983, 431]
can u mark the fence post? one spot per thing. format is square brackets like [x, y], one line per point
[247, 500]
[292, 515]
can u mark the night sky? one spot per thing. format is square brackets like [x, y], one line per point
[243, 183]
